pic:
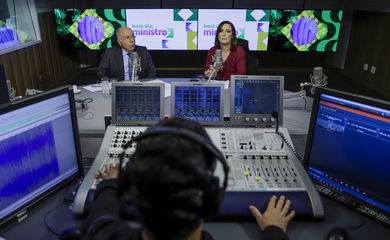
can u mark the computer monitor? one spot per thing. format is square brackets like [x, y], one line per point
[4, 96]
[254, 100]
[137, 103]
[347, 151]
[201, 102]
[39, 150]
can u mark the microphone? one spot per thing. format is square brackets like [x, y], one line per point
[135, 66]
[217, 64]
[318, 79]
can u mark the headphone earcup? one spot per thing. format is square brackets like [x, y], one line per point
[124, 177]
[213, 197]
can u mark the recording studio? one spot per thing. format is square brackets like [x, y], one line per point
[310, 119]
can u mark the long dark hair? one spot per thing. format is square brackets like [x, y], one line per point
[233, 43]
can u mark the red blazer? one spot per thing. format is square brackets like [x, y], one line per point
[234, 65]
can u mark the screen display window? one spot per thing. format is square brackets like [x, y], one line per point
[37, 151]
[350, 149]
[198, 103]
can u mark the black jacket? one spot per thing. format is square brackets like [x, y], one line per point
[104, 222]
[111, 64]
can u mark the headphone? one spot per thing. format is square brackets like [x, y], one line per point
[213, 193]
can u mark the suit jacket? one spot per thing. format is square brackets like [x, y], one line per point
[111, 64]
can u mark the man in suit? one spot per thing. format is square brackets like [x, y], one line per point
[115, 61]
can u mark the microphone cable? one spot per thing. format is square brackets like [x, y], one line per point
[83, 102]
[275, 114]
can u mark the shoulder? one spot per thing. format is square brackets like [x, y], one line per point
[212, 50]
[240, 49]
[113, 50]
[140, 48]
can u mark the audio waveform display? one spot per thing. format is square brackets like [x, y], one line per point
[28, 161]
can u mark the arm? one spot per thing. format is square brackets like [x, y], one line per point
[104, 67]
[275, 219]
[104, 222]
[241, 62]
[208, 66]
[150, 71]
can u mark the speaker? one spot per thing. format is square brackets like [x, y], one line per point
[213, 192]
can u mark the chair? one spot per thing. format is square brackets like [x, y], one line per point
[251, 61]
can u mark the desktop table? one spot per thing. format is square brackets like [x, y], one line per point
[92, 128]
[296, 115]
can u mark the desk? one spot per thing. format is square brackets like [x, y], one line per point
[92, 128]
[336, 215]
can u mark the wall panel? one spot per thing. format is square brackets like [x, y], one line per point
[369, 45]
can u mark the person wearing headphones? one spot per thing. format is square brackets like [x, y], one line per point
[170, 181]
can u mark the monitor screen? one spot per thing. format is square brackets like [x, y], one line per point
[39, 149]
[255, 98]
[201, 102]
[347, 150]
[4, 95]
[137, 103]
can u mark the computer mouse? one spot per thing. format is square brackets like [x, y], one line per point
[337, 234]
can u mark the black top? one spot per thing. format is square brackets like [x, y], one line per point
[104, 221]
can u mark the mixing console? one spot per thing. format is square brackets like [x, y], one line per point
[260, 163]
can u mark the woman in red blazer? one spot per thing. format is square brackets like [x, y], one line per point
[233, 55]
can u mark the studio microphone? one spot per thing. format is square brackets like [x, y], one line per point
[318, 79]
[135, 66]
[217, 63]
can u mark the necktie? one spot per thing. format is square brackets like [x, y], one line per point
[130, 70]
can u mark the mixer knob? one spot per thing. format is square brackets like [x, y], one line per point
[272, 120]
[264, 119]
[255, 119]
[246, 119]
[264, 147]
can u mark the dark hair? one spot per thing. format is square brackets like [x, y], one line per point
[233, 43]
[168, 180]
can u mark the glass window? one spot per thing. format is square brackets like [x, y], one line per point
[19, 26]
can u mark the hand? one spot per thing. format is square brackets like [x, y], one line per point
[110, 171]
[208, 72]
[277, 213]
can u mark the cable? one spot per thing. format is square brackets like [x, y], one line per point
[83, 102]
[290, 146]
